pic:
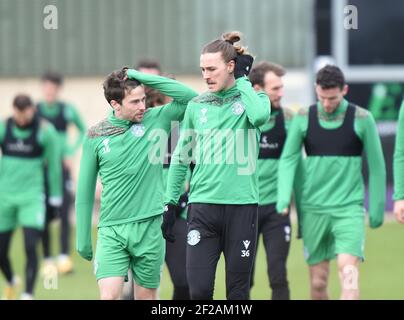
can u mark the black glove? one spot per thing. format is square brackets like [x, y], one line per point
[54, 212]
[182, 203]
[169, 216]
[243, 65]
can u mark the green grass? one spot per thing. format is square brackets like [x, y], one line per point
[381, 276]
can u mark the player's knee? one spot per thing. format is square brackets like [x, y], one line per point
[279, 284]
[3, 258]
[238, 294]
[277, 277]
[319, 283]
[181, 293]
[109, 295]
[146, 294]
[201, 293]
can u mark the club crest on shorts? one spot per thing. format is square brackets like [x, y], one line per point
[138, 130]
[193, 237]
[237, 108]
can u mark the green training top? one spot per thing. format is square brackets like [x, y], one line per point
[399, 158]
[128, 157]
[221, 132]
[23, 178]
[334, 184]
[71, 116]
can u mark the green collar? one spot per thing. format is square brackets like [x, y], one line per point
[118, 122]
[227, 93]
[21, 133]
[338, 111]
[49, 109]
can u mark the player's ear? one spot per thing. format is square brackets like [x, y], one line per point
[257, 87]
[115, 105]
[345, 89]
[230, 66]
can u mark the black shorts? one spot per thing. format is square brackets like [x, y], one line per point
[233, 229]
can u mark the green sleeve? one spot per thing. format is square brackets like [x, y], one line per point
[377, 171]
[85, 199]
[256, 105]
[2, 131]
[180, 93]
[299, 178]
[48, 138]
[75, 118]
[180, 160]
[289, 161]
[398, 164]
[298, 191]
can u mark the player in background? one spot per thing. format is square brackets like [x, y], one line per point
[63, 116]
[334, 133]
[275, 228]
[398, 166]
[26, 143]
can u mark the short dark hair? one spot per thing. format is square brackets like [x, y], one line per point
[116, 85]
[258, 73]
[330, 77]
[22, 102]
[149, 64]
[53, 77]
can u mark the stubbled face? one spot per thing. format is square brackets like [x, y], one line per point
[217, 74]
[24, 117]
[50, 91]
[273, 87]
[133, 105]
[330, 98]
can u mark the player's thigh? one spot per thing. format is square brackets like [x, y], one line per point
[147, 250]
[111, 257]
[142, 293]
[110, 288]
[349, 234]
[8, 215]
[31, 213]
[317, 238]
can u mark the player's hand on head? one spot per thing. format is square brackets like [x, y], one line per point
[125, 72]
[243, 66]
